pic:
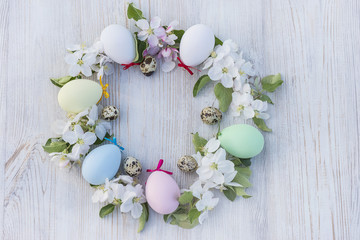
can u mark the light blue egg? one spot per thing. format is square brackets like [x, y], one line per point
[101, 163]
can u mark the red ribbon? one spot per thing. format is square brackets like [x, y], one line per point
[158, 168]
[126, 66]
[187, 68]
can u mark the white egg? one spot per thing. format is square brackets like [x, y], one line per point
[119, 44]
[196, 44]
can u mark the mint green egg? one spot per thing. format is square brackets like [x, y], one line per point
[77, 95]
[242, 140]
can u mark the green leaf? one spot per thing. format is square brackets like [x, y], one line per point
[166, 217]
[266, 98]
[240, 191]
[185, 224]
[224, 96]
[244, 171]
[94, 186]
[271, 83]
[60, 82]
[246, 162]
[260, 123]
[134, 13]
[140, 47]
[179, 34]
[144, 217]
[218, 41]
[99, 141]
[201, 82]
[193, 214]
[55, 145]
[230, 193]
[199, 143]
[185, 198]
[242, 180]
[106, 210]
[180, 216]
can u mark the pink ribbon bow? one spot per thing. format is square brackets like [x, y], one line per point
[161, 161]
[187, 68]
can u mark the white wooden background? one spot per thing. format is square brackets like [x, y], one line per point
[306, 181]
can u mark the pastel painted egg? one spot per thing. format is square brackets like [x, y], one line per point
[101, 163]
[77, 95]
[196, 44]
[242, 140]
[162, 192]
[119, 44]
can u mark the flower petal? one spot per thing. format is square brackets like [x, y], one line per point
[136, 211]
[142, 24]
[155, 22]
[168, 66]
[89, 138]
[70, 137]
[215, 73]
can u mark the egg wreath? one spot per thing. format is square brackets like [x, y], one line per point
[222, 163]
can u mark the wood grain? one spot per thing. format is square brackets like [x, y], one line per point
[306, 182]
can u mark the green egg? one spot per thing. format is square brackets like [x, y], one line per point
[77, 95]
[242, 140]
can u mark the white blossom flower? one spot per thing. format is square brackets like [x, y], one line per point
[214, 166]
[216, 55]
[228, 177]
[198, 189]
[241, 103]
[223, 70]
[61, 158]
[108, 192]
[169, 38]
[206, 204]
[80, 63]
[101, 126]
[81, 140]
[259, 108]
[245, 71]
[211, 146]
[132, 200]
[81, 48]
[150, 32]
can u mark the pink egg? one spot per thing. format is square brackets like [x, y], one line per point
[162, 192]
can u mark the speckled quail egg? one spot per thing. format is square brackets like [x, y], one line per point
[110, 113]
[132, 166]
[211, 115]
[187, 163]
[148, 66]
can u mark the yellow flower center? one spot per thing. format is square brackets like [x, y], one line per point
[241, 72]
[213, 54]
[80, 141]
[214, 166]
[150, 31]
[240, 108]
[80, 62]
[225, 70]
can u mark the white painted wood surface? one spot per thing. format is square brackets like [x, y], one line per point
[306, 182]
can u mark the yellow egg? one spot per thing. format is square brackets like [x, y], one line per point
[77, 95]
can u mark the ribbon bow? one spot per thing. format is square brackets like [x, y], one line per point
[186, 67]
[161, 161]
[114, 142]
[126, 66]
[104, 87]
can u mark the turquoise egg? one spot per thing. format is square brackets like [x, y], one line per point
[242, 140]
[101, 163]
